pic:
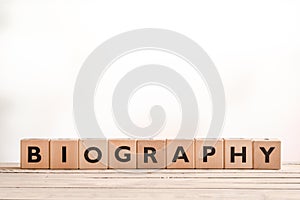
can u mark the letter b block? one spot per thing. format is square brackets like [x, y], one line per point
[34, 154]
[238, 153]
[266, 154]
[122, 154]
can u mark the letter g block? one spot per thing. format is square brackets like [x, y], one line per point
[122, 154]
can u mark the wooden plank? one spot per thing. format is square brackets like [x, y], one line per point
[86, 193]
[17, 183]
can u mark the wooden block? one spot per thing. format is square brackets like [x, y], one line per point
[35, 154]
[64, 154]
[151, 154]
[180, 154]
[238, 153]
[93, 154]
[122, 153]
[266, 154]
[209, 153]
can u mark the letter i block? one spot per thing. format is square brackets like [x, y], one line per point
[35, 154]
[266, 154]
[209, 153]
[93, 154]
[180, 154]
[122, 153]
[238, 153]
[64, 154]
[151, 154]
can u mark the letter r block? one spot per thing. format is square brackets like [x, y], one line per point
[209, 153]
[122, 153]
[180, 154]
[93, 154]
[266, 154]
[151, 154]
[238, 153]
[34, 154]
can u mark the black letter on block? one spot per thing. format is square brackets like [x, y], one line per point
[88, 150]
[233, 154]
[205, 153]
[176, 155]
[267, 153]
[64, 154]
[36, 153]
[146, 154]
[127, 155]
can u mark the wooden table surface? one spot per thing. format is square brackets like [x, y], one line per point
[149, 184]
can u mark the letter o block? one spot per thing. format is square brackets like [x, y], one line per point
[93, 154]
[122, 154]
[35, 154]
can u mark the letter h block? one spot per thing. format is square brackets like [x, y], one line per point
[34, 154]
[238, 153]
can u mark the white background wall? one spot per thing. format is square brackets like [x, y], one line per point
[255, 45]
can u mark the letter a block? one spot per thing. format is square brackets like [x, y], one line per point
[266, 154]
[64, 154]
[238, 153]
[180, 154]
[35, 154]
[122, 154]
[151, 154]
[93, 154]
[209, 153]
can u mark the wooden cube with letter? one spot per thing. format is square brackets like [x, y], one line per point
[238, 153]
[180, 154]
[151, 154]
[266, 154]
[64, 154]
[122, 153]
[209, 153]
[93, 154]
[35, 154]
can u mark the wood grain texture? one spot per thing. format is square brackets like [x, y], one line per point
[18, 183]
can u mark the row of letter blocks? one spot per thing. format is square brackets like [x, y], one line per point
[147, 154]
